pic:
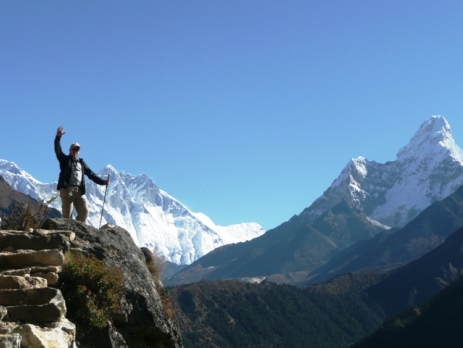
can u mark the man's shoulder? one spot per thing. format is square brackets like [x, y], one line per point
[63, 157]
[82, 162]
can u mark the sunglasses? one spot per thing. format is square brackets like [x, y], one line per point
[75, 149]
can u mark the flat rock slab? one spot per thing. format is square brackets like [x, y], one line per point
[46, 269]
[38, 241]
[34, 305]
[28, 258]
[69, 234]
[32, 270]
[29, 296]
[22, 282]
[47, 313]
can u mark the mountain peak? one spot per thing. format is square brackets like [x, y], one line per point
[429, 168]
[433, 137]
[151, 216]
[110, 168]
[436, 128]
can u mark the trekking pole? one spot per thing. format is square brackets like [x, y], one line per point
[104, 199]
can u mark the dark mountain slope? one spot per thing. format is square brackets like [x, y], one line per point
[291, 247]
[236, 314]
[417, 281]
[9, 197]
[251, 259]
[208, 309]
[345, 223]
[428, 230]
[356, 257]
[436, 323]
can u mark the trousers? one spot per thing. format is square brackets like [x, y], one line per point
[72, 198]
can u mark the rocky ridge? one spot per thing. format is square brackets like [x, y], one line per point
[33, 309]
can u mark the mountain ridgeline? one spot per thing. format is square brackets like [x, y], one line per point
[153, 218]
[398, 246]
[367, 205]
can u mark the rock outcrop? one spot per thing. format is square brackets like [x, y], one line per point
[33, 310]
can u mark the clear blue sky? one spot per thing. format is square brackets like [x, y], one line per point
[243, 110]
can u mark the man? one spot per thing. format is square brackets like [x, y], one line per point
[71, 181]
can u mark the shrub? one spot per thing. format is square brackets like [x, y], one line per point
[23, 217]
[153, 267]
[167, 303]
[92, 289]
[154, 264]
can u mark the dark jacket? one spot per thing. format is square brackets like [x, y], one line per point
[65, 166]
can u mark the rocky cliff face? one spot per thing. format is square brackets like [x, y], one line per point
[142, 320]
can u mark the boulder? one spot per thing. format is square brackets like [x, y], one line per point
[143, 321]
[50, 277]
[10, 340]
[59, 335]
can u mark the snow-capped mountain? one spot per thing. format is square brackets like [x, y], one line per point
[427, 169]
[340, 227]
[153, 218]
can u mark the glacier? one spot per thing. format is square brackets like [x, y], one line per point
[153, 218]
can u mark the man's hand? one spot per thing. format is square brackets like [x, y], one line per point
[60, 131]
[106, 182]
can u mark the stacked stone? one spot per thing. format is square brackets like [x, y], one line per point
[32, 312]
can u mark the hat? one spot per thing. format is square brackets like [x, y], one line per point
[73, 145]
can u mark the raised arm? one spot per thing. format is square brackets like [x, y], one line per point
[58, 151]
